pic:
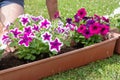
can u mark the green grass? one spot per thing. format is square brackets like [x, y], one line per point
[108, 69]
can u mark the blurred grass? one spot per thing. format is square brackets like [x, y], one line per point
[108, 69]
[68, 8]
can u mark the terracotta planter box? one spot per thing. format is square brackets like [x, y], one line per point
[117, 47]
[49, 66]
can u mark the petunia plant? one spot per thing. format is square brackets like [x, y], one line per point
[91, 29]
[36, 36]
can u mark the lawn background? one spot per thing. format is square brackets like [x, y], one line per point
[108, 69]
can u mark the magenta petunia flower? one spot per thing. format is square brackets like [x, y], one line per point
[95, 28]
[36, 28]
[36, 19]
[25, 40]
[57, 15]
[6, 39]
[16, 32]
[45, 24]
[59, 30]
[97, 18]
[104, 30]
[82, 13]
[105, 19]
[41, 18]
[87, 33]
[28, 30]
[24, 20]
[46, 37]
[77, 18]
[55, 45]
[81, 28]
[90, 22]
[72, 27]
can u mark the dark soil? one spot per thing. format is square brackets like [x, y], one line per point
[12, 61]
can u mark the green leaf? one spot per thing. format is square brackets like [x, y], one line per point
[1, 51]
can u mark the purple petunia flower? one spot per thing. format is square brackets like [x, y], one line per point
[82, 13]
[86, 18]
[6, 39]
[60, 23]
[25, 40]
[77, 18]
[105, 19]
[24, 19]
[95, 28]
[45, 24]
[36, 28]
[69, 20]
[55, 45]
[36, 19]
[89, 22]
[59, 30]
[41, 18]
[16, 32]
[46, 37]
[28, 30]
[71, 27]
[81, 28]
[104, 30]
[7, 26]
[87, 33]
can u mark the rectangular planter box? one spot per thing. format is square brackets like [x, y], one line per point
[117, 46]
[49, 66]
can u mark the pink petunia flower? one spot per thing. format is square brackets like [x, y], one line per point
[81, 28]
[87, 33]
[81, 13]
[57, 15]
[95, 28]
[104, 30]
